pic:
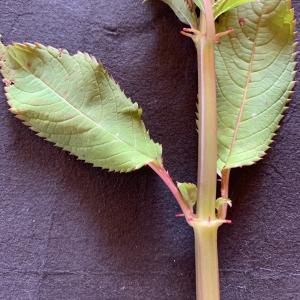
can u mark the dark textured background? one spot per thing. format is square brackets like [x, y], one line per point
[68, 231]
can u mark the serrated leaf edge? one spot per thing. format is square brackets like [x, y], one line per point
[263, 153]
[39, 134]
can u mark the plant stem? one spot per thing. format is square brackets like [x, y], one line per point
[207, 127]
[205, 223]
[206, 261]
[224, 193]
[205, 230]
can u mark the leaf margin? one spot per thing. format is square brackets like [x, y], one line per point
[289, 92]
[6, 73]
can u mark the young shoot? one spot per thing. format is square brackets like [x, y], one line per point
[246, 71]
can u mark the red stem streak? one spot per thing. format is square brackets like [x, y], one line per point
[224, 193]
[166, 178]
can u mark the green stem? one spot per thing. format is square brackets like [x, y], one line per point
[205, 230]
[206, 261]
[207, 127]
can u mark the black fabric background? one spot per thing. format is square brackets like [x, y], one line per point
[70, 231]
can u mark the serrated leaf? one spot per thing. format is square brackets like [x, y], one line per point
[255, 71]
[71, 101]
[222, 6]
[182, 11]
[188, 192]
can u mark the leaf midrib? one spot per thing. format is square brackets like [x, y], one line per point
[77, 110]
[245, 94]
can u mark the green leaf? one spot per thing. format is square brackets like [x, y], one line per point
[71, 101]
[222, 6]
[221, 201]
[255, 73]
[188, 192]
[199, 3]
[182, 11]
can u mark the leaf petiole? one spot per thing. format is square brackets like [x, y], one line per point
[222, 212]
[166, 178]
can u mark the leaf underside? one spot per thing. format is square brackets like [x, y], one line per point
[182, 11]
[222, 6]
[185, 10]
[199, 3]
[255, 74]
[71, 101]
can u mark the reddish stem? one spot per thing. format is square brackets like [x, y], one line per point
[207, 125]
[224, 193]
[166, 178]
[209, 18]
